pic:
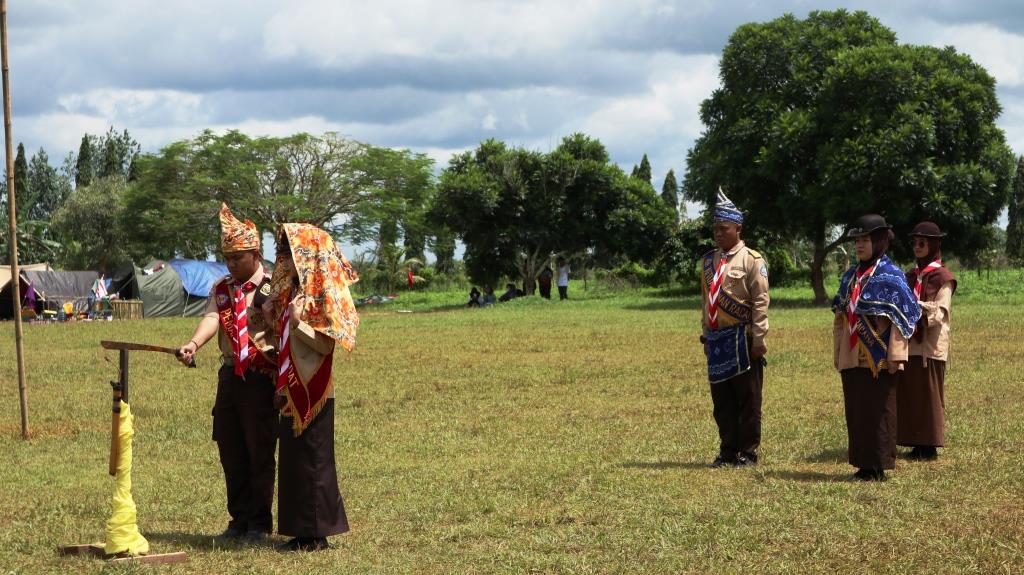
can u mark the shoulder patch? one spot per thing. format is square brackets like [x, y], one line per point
[764, 269]
[755, 254]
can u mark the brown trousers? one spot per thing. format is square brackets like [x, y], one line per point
[737, 410]
[870, 417]
[922, 404]
[308, 501]
[244, 427]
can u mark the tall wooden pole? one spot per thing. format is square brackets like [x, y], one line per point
[12, 239]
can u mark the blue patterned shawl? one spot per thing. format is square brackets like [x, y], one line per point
[885, 294]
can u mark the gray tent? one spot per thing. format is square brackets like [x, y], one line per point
[53, 289]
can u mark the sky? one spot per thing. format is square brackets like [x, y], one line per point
[436, 76]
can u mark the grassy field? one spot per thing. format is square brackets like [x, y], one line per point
[538, 437]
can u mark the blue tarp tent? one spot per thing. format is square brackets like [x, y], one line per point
[197, 278]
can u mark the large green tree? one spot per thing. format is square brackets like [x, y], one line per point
[513, 208]
[88, 226]
[820, 120]
[22, 185]
[1015, 223]
[396, 187]
[48, 188]
[84, 162]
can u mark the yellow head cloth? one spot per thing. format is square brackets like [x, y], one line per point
[236, 236]
[324, 276]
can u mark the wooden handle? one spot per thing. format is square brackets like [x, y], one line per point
[115, 442]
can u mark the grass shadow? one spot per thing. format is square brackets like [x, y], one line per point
[808, 476]
[831, 455]
[695, 303]
[662, 465]
[176, 540]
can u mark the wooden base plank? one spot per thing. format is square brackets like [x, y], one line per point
[98, 550]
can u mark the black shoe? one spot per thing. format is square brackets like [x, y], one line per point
[746, 460]
[914, 454]
[304, 544]
[928, 454]
[867, 474]
[722, 461]
[231, 534]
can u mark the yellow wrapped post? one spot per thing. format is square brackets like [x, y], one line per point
[122, 530]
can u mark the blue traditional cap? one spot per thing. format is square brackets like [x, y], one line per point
[726, 211]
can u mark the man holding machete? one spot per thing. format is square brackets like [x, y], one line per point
[244, 417]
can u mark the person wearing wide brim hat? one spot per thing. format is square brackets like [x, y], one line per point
[921, 396]
[244, 419]
[875, 314]
[313, 313]
[735, 325]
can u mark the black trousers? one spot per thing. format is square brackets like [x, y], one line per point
[871, 423]
[244, 427]
[563, 292]
[737, 403]
[308, 501]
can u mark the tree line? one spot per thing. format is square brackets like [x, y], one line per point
[816, 121]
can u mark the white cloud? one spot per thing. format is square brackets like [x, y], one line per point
[996, 50]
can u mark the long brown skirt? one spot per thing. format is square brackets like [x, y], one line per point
[922, 404]
[870, 418]
[308, 502]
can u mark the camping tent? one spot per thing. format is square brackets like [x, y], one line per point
[173, 288]
[5, 271]
[53, 289]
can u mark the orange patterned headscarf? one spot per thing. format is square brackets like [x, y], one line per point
[324, 276]
[236, 236]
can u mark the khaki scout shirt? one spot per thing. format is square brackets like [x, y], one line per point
[845, 357]
[936, 335]
[746, 281]
[259, 333]
[309, 349]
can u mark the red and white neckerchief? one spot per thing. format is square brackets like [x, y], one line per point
[858, 285]
[716, 288]
[920, 276]
[242, 357]
[285, 356]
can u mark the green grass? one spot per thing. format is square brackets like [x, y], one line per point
[541, 437]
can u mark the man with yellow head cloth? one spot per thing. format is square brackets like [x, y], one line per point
[244, 417]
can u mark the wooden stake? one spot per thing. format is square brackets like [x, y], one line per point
[12, 239]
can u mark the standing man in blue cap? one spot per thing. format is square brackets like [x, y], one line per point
[735, 322]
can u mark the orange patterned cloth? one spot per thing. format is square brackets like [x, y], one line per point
[236, 236]
[324, 275]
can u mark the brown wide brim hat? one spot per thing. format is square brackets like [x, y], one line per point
[865, 225]
[927, 230]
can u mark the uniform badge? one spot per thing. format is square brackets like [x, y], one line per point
[265, 290]
[222, 300]
[764, 270]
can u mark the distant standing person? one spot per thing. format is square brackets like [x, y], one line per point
[563, 279]
[544, 282]
[735, 325]
[875, 313]
[921, 411]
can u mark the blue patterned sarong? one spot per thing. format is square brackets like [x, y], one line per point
[727, 351]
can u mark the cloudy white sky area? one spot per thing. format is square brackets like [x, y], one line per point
[434, 76]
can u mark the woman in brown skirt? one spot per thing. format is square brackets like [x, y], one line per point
[313, 310]
[922, 410]
[875, 313]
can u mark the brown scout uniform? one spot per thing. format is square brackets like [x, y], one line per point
[922, 406]
[870, 402]
[244, 418]
[737, 401]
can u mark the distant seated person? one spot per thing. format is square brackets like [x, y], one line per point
[511, 293]
[474, 298]
[489, 297]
